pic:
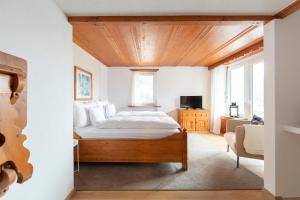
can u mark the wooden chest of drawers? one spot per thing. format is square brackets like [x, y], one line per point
[193, 120]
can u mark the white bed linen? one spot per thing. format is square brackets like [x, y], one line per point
[91, 132]
[138, 122]
[141, 113]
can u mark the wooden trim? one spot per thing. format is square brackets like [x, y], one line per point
[207, 19]
[75, 83]
[144, 70]
[70, 195]
[270, 195]
[295, 6]
[246, 52]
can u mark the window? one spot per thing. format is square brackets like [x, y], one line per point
[144, 88]
[237, 83]
[258, 89]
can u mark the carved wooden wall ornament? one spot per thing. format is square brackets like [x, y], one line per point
[13, 119]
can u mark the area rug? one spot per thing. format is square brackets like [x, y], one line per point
[209, 169]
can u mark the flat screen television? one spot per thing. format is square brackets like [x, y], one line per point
[194, 102]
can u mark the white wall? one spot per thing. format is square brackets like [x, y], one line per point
[283, 83]
[172, 82]
[269, 108]
[84, 60]
[39, 32]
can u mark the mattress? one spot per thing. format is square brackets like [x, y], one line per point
[91, 132]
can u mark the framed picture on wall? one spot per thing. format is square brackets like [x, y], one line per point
[83, 84]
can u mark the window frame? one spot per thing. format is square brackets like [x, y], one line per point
[148, 72]
[248, 82]
[255, 61]
[233, 67]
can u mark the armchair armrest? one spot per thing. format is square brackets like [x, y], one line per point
[239, 138]
[233, 123]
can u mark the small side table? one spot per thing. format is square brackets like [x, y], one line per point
[76, 144]
[224, 120]
[223, 127]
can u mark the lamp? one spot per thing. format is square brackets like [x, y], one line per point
[234, 110]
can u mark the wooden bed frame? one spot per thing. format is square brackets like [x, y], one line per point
[169, 149]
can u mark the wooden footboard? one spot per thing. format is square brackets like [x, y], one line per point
[169, 149]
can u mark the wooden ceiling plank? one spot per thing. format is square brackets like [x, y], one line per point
[216, 37]
[137, 48]
[227, 43]
[122, 41]
[83, 44]
[239, 44]
[194, 44]
[255, 48]
[114, 45]
[171, 43]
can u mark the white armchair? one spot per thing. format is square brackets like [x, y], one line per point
[235, 138]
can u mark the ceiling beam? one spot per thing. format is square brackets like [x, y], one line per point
[288, 10]
[259, 19]
[248, 51]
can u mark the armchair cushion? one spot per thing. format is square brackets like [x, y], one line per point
[254, 139]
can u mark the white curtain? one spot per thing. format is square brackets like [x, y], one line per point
[133, 84]
[218, 97]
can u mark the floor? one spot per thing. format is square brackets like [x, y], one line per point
[210, 168]
[175, 195]
[253, 165]
[256, 166]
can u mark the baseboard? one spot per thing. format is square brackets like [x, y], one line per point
[68, 197]
[271, 196]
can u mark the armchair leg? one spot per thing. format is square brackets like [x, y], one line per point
[227, 147]
[237, 162]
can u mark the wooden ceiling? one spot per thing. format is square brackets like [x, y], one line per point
[164, 43]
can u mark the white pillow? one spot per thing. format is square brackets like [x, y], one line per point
[102, 103]
[80, 115]
[97, 114]
[110, 110]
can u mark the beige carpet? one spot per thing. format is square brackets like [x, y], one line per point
[210, 168]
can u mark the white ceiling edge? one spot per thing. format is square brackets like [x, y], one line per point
[171, 7]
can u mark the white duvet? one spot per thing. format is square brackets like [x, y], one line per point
[141, 113]
[138, 121]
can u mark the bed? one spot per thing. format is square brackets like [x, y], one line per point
[134, 136]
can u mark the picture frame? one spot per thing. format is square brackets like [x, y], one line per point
[83, 84]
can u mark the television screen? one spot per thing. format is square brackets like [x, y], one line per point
[191, 102]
